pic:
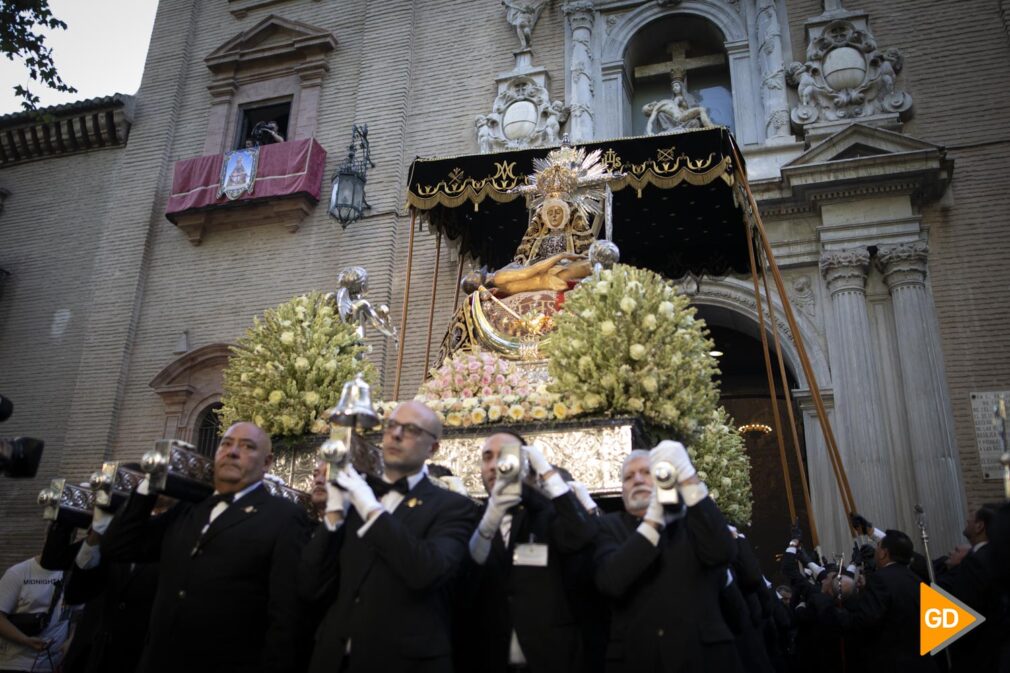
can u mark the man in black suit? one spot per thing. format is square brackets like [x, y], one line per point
[109, 637]
[974, 581]
[226, 591]
[884, 615]
[522, 614]
[383, 558]
[663, 568]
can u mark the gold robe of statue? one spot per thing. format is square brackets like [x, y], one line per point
[509, 311]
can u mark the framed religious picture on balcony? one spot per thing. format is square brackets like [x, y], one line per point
[238, 172]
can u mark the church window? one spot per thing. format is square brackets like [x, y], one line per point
[208, 430]
[278, 112]
[688, 48]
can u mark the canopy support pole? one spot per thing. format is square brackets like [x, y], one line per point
[406, 300]
[776, 416]
[431, 308]
[753, 217]
[811, 520]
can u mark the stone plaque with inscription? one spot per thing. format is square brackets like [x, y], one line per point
[989, 411]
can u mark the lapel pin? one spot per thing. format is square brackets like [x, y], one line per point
[249, 510]
[414, 502]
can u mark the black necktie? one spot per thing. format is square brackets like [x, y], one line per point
[380, 488]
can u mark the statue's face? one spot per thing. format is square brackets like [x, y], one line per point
[555, 214]
[678, 87]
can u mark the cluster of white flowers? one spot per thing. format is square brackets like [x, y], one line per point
[291, 366]
[719, 455]
[628, 342]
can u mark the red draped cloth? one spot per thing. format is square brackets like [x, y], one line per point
[285, 169]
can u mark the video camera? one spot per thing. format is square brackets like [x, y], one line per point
[513, 466]
[19, 456]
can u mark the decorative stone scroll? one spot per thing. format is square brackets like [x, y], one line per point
[845, 76]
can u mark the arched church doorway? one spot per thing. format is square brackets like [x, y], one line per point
[684, 48]
[744, 388]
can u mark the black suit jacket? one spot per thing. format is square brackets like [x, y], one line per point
[535, 601]
[120, 596]
[975, 581]
[388, 591]
[666, 598]
[226, 602]
[883, 617]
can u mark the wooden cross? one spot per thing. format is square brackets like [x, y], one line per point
[679, 63]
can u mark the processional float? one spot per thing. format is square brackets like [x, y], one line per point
[480, 202]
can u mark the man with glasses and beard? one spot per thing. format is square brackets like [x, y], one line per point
[662, 566]
[383, 558]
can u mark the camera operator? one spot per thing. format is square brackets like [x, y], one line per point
[19, 456]
[663, 567]
[34, 623]
[523, 618]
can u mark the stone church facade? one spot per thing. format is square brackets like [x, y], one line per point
[875, 142]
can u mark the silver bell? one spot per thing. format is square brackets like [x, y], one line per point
[355, 406]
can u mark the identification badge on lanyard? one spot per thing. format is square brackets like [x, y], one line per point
[530, 554]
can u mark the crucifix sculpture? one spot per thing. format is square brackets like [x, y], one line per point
[680, 111]
[679, 62]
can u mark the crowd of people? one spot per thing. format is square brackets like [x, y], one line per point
[402, 573]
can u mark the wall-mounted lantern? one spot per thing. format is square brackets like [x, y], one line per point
[347, 196]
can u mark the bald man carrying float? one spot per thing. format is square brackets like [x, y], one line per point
[226, 591]
[382, 560]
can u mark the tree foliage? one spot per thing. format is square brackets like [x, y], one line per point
[20, 38]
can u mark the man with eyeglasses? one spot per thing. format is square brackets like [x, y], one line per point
[383, 558]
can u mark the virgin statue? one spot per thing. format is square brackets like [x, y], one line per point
[510, 310]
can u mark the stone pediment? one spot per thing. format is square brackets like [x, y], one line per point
[273, 41]
[862, 157]
[865, 140]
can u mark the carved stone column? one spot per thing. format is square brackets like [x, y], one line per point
[581, 17]
[931, 434]
[863, 439]
[773, 71]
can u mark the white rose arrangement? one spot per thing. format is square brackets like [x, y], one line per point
[627, 341]
[718, 453]
[290, 367]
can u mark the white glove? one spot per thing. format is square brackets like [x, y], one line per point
[334, 499]
[582, 493]
[358, 491]
[654, 514]
[100, 520]
[497, 505]
[675, 454]
[537, 461]
[554, 484]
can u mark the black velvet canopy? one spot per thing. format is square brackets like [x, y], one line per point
[674, 210]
